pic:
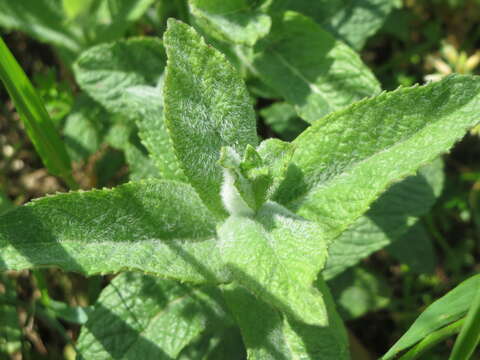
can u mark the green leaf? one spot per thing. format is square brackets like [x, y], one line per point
[123, 135]
[207, 107]
[249, 182]
[255, 85]
[140, 165]
[128, 10]
[57, 95]
[352, 21]
[143, 317]
[126, 77]
[358, 291]
[74, 314]
[71, 26]
[113, 18]
[110, 73]
[237, 21]
[432, 339]
[84, 128]
[154, 136]
[310, 69]
[34, 116]
[469, 336]
[277, 256]
[159, 227]
[388, 220]
[345, 161]
[239, 193]
[120, 133]
[269, 336]
[228, 345]
[5, 203]
[277, 156]
[41, 19]
[442, 312]
[75, 8]
[415, 249]
[10, 331]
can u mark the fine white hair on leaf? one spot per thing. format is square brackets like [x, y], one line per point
[231, 198]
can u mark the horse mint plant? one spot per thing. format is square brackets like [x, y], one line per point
[230, 240]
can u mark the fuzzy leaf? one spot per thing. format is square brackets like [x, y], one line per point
[277, 156]
[238, 191]
[310, 69]
[238, 21]
[207, 107]
[345, 161]
[250, 181]
[153, 133]
[388, 220]
[158, 227]
[277, 256]
[140, 165]
[269, 336]
[442, 312]
[352, 21]
[123, 135]
[143, 317]
[108, 71]
[84, 128]
[126, 77]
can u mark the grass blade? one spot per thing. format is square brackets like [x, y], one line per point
[32, 112]
[433, 339]
[469, 336]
